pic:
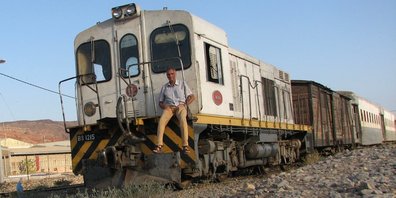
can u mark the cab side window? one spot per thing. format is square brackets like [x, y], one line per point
[214, 66]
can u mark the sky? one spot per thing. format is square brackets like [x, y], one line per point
[344, 45]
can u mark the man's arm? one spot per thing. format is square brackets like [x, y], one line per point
[161, 99]
[190, 99]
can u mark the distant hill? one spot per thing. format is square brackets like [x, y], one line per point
[34, 132]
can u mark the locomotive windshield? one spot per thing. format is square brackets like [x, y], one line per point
[129, 55]
[94, 58]
[170, 42]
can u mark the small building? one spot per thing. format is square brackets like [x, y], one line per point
[13, 143]
[25, 159]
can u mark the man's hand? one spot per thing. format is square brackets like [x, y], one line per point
[163, 106]
[190, 99]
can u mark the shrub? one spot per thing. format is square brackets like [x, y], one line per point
[312, 158]
[62, 182]
[27, 166]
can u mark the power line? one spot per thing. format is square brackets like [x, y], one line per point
[8, 107]
[33, 85]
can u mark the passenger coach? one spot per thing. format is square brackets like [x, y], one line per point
[374, 124]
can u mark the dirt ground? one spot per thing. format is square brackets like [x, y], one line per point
[40, 182]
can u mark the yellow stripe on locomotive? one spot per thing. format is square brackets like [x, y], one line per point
[172, 141]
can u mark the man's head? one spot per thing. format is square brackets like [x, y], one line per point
[171, 75]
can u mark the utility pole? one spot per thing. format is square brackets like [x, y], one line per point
[1, 149]
[1, 165]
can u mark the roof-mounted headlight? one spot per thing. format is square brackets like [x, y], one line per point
[125, 11]
[130, 10]
[116, 12]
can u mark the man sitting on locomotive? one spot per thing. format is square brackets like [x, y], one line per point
[173, 101]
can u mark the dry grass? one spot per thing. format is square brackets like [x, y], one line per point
[312, 158]
[62, 182]
[150, 189]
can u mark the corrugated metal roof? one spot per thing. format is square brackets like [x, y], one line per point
[59, 143]
[40, 150]
[59, 147]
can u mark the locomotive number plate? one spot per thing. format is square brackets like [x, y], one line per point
[86, 137]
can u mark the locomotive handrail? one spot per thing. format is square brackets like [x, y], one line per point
[61, 100]
[253, 86]
[79, 77]
[243, 106]
[151, 79]
[258, 99]
[124, 98]
[250, 99]
[151, 82]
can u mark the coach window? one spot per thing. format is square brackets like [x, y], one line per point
[361, 115]
[213, 64]
[368, 117]
[168, 44]
[129, 56]
[94, 58]
[364, 116]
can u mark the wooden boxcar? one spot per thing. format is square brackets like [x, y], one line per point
[328, 112]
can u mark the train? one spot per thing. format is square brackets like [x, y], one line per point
[247, 115]
[340, 118]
